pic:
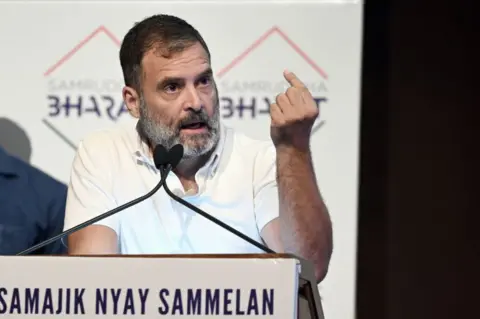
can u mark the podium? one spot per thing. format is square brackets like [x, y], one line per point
[159, 286]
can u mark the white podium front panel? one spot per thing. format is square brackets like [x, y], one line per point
[108, 287]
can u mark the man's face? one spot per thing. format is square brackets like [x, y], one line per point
[179, 101]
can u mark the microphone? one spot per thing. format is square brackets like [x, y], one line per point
[176, 154]
[161, 159]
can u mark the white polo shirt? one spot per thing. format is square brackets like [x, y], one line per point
[237, 186]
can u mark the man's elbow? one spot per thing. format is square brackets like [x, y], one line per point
[322, 264]
[320, 271]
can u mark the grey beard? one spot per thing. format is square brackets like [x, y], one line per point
[157, 133]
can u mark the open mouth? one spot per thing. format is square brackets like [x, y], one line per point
[194, 126]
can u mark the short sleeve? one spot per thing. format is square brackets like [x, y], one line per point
[265, 186]
[90, 191]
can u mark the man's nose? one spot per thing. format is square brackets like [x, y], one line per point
[193, 100]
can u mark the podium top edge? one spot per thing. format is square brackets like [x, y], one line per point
[190, 256]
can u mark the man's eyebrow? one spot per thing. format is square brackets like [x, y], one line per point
[207, 72]
[168, 80]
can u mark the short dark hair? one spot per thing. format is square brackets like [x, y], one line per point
[168, 34]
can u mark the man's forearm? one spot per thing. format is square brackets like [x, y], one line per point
[305, 222]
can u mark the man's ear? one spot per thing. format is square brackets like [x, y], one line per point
[132, 101]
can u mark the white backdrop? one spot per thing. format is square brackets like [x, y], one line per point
[61, 78]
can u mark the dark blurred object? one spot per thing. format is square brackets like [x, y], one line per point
[32, 207]
[15, 140]
[419, 161]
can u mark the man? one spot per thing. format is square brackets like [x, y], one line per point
[32, 207]
[267, 191]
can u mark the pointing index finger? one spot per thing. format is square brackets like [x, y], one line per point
[293, 79]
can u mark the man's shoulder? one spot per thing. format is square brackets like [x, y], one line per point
[246, 145]
[246, 142]
[40, 181]
[107, 140]
[117, 134]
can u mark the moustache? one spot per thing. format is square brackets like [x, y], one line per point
[200, 118]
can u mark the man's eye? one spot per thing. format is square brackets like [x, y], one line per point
[205, 81]
[170, 88]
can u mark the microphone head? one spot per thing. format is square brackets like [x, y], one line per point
[175, 155]
[161, 157]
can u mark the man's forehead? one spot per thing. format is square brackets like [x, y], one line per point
[192, 53]
[187, 63]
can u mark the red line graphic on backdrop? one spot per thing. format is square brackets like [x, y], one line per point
[260, 41]
[222, 72]
[103, 30]
[80, 45]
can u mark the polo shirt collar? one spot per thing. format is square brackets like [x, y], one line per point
[142, 152]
